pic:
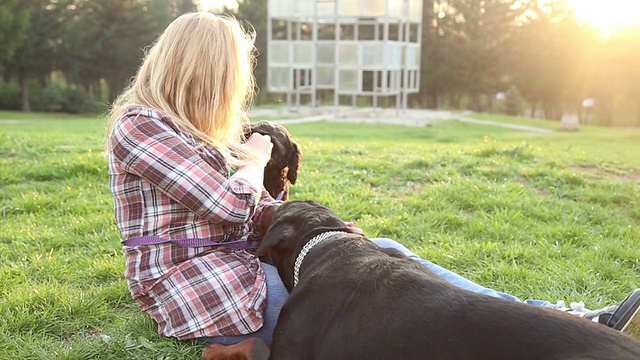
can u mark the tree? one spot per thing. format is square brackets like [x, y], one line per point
[513, 102]
[253, 13]
[106, 39]
[179, 7]
[35, 55]
[485, 30]
[465, 50]
[615, 81]
[14, 22]
[552, 50]
[427, 97]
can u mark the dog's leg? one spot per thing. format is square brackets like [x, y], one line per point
[250, 349]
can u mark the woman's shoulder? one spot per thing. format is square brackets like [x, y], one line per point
[136, 111]
[140, 116]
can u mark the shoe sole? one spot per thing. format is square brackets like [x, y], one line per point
[632, 327]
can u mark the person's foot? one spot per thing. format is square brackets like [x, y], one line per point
[624, 316]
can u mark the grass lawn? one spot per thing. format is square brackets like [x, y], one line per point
[539, 216]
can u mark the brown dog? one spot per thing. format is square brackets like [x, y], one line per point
[354, 300]
[282, 169]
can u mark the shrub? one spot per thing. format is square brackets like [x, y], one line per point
[10, 97]
[51, 98]
[513, 103]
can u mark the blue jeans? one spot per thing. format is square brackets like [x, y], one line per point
[277, 294]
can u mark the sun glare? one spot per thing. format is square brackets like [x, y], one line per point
[607, 16]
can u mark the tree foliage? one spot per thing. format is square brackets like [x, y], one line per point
[89, 42]
[471, 50]
[253, 15]
[14, 21]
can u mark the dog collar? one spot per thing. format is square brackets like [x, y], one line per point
[305, 250]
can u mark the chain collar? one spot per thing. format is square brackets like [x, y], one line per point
[305, 250]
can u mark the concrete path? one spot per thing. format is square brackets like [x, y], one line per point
[410, 117]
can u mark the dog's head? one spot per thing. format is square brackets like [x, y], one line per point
[293, 225]
[284, 164]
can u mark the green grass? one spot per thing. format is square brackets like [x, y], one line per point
[539, 216]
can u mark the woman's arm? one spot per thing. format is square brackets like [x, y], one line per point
[149, 148]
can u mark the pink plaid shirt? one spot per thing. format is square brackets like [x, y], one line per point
[165, 184]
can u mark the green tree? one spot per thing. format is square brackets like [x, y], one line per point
[179, 7]
[615, 83]
[552, 51]
[253, 14]
[14, 22]
[514, 103]
[485, 30]
[438, 76]
[427, 39]
[465, 50]
[106, 40]
[36, 54]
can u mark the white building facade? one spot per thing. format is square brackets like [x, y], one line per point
[345, 50]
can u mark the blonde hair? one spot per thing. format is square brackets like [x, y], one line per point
[199, 72]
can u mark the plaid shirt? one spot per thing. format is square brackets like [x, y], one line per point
[166, 184]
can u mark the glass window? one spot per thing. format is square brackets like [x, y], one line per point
[279, 78]
[372, 55]
[348, 80]
[303, 54]
[279, 53]
[374, 7]
[326, 53]
[348, 55]
[325, 76]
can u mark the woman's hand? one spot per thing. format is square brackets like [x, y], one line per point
[260, 146]
[352, 227]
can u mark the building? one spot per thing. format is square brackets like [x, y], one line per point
[344, 49]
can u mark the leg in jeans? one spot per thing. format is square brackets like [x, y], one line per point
[624, 316]
[452, 277]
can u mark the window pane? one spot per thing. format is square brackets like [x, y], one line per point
[372, 55]
[326, 53]
[348, 80]
[279, 78]
[325, 76]
[348, 55]
[303, 54]
[375, 8]
[279, 53]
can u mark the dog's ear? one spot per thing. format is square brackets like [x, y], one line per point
[274, 236]
[293, 162]
[246, 131]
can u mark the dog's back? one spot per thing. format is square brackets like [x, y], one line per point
[357, 302]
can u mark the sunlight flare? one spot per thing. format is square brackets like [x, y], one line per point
[607, 16]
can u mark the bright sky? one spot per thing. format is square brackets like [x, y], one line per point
[607, 15]
[603, 15]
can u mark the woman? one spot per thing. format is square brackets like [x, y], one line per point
[187, 221]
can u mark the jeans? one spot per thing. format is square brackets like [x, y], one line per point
[277, 294]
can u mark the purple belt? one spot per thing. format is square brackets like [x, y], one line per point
[194, 242]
